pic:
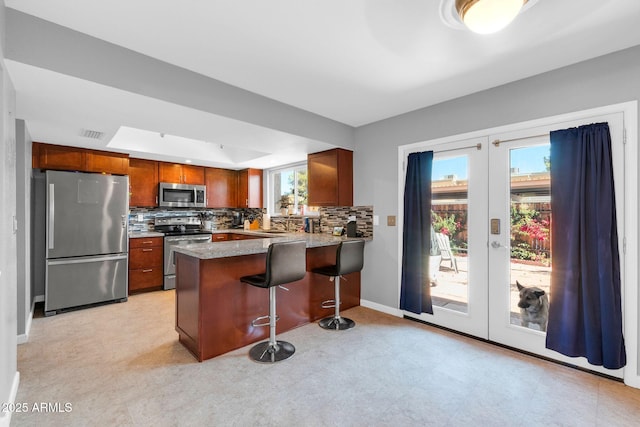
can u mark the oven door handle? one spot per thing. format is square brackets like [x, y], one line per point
[192, 238]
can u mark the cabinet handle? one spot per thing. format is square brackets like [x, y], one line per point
[147, 250]
[148, 242]
[147, 271]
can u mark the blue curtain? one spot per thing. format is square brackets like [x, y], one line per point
[415, 291]
[585, 315]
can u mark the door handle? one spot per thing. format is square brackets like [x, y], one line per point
[52, 212]
[497, 245]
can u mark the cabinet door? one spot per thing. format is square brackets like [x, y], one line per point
[170, 172]
[219, 237]
[250, 188]
[147, 278]
[222, 185]
[104, 162]
[143, 183]
[59, 157]
[144, 258]
[330, 178]
[193, 174]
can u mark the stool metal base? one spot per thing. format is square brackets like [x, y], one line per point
[265, 352]
[336, 323]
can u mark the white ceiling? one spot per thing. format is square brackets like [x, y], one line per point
[355, 62]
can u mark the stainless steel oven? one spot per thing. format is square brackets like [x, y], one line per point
[169, 259]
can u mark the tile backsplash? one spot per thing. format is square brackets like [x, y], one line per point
[141, 219]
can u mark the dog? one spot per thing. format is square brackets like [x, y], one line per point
[534, 306]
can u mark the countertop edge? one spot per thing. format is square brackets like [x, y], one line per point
[235, 248]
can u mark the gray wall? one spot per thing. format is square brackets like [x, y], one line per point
[25, 291]
[46, 45]
[8, 317]
[606, 80]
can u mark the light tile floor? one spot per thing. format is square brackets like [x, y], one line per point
[121, 365]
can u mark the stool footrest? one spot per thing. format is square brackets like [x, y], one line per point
[330, 303]
[258, 321]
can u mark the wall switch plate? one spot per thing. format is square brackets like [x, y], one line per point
[140, 217]
[376, 220]
[351, 218]
[391, 220]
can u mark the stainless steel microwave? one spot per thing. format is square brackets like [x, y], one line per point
[182, 195]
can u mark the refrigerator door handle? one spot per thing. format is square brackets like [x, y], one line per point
[66, 261]
[52, 211]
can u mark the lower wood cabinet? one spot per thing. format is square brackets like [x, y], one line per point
[145, 264]
[223, 237]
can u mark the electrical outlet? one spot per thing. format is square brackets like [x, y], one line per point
[391, 220]
[376, 220]
[140, 217]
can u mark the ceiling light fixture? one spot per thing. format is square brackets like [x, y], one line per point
[488, 16]
[482, 16]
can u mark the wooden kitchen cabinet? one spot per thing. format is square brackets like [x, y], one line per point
[143, 183]
[57, 157]
[145, 264]
[224, 237]
[177, 173]
[60, 157]
[250, 188]
[222, 185]
[105, 162]
[330, 178]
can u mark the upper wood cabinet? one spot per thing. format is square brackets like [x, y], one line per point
[250, 188]
[181, 174]
[143, 183]
[47, 156]
[330, 178]
[102, 161]
[222, 186]
[60, 157]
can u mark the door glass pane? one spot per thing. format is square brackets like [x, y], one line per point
[530, 219]
[448, 262]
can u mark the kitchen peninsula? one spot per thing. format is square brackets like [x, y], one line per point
[214, 309]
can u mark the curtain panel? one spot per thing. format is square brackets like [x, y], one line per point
[415, 291]
[585, 314]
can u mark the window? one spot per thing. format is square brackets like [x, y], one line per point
[287, 189]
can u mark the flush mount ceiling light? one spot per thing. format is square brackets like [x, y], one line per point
[482, 16]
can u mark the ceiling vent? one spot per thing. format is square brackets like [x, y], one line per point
[93, 134]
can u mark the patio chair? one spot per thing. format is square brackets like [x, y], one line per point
[445, 251]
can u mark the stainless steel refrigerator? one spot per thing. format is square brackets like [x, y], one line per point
[86, 239]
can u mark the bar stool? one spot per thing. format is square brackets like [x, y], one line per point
[286, 262]
[349, 259]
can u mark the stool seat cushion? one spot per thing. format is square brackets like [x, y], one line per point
[285, 263]
[349, 259]
[258, 280]
[327, 270]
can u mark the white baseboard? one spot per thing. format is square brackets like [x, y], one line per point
[23, 338]
[5, 417]
[382, 308]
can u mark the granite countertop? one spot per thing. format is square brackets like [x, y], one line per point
[137, 234]
[233, 248]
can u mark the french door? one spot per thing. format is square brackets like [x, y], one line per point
[491, 216]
